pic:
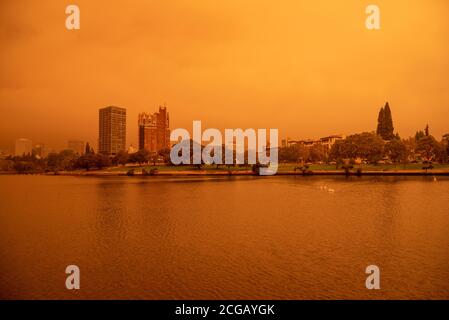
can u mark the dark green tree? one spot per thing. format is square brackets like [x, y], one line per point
[140, 157]
[86, 161]
[396, 150]
[102, 161]
[318, 152]
[419, 134]
[364, 145]
[427, 147]
[88, 149]
[153, 158]
[165, 154]
[293, 154]
[380, 122]
[122, 158]
[385, 127]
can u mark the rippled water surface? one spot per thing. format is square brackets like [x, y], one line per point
[226, 237]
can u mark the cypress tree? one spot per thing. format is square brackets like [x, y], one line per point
[380, 122]
[385, 123]
[388, 124]
[88, 149]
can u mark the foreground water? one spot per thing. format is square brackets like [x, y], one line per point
[223, 238]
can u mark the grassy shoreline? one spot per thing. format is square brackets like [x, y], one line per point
[284, 169]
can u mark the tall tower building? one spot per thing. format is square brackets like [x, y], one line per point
[23, 147]
[112, 130]
[154, 130]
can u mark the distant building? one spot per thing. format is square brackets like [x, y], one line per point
[112, 130]
[330, 140]
[40, 150]
[284, 142]
[78, 147]
[325, 141]
[132, 149]
[23, 147]
[154, 130]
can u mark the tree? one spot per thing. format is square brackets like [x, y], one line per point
[67, 159]
[445, 143]
[102, 161]
[53, 161]
[64, 160]
[380, 121]
[410, 148]
[419, 134]
[365, 145]
[165, 154]
[154, 157]
[368, 146]
[24, 166]
[294, 153]
[338, 152]
[426, 130]
[317, 153]
[140, 157]
[396, 150]
[441, 154]
[6, 165]
[88, 149]
[385, 127]
[427, 146]
[86, 161]
[121, 158]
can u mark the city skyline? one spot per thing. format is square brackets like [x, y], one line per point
[248, 68]
[159, 121]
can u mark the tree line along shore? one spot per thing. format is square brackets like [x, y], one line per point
[356, 154]
[381, 152]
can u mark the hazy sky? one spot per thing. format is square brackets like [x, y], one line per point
[309, 68]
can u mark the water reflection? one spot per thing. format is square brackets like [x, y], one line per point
[225, 237]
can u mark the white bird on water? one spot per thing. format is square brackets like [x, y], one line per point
[435, 179]
[331, 190]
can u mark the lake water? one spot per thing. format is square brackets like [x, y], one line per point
[224, 237]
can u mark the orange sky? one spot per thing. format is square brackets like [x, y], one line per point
[309, 68]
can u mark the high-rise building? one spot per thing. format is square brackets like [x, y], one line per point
[78, 147]
[154, 130]
[40, 150]
[112, 130]
[23, 147]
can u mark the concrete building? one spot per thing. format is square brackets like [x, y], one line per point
[40, 150]
[132, 149]
[112, 130]
[23, 147]
[154, 130]
[77, 146]
[325, 141]
[330, 140]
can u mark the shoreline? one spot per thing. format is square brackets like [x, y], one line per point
[199, 173]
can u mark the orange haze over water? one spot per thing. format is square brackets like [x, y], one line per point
[309, 68]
